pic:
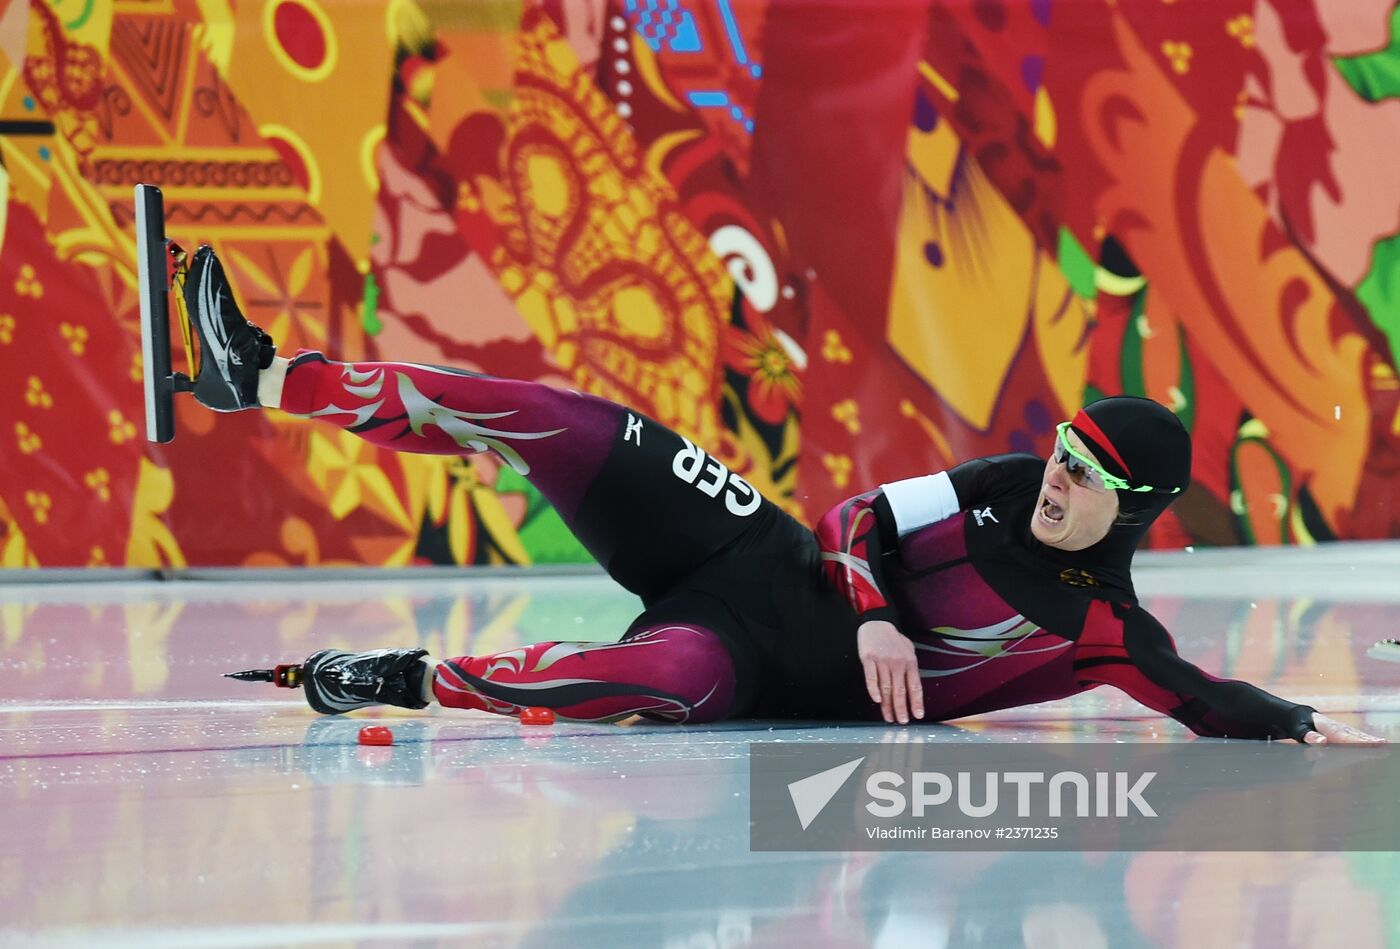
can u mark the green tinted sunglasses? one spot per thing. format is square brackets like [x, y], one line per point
[1087, 473]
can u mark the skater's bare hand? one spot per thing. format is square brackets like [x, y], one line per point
[891, 670]
[1329, 731]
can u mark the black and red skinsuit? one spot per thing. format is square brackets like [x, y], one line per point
[999, 619]
[747, 613]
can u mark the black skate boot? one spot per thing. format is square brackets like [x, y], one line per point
[231, 349]
[338, 681]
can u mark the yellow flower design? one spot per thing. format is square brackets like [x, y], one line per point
[7, 329]
[1179, 55]
[346, 469]
[137, 370]
[35, 394]
[1242, 29]
[100, 480]
[77, 337]
[40, 504]
[97, 557]
[27, 283]
[119, 430]
[285, 297]
[848, 414]
[833, 349]
[29, 440]
[839, 467]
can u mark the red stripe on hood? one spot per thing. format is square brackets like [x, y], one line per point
[1083, 422]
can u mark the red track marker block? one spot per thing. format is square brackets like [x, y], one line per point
[376, 735]
[535, 715]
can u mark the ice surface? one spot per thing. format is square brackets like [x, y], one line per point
[148, 802]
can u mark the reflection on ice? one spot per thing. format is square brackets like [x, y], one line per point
[150, 801]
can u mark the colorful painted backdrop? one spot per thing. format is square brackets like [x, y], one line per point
[836, 243]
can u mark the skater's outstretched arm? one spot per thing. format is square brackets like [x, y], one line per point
[1125, 646]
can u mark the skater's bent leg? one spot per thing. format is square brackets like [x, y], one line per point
[648, 505]
[675, 672]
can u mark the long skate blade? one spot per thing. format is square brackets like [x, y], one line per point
[285, 676]
[251, 675]
[152, 276]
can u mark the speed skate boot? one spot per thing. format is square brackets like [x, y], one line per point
[338, 681]
[232, 349]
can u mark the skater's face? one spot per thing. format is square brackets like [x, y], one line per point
[1074, 510]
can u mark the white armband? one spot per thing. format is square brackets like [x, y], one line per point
[918, 502]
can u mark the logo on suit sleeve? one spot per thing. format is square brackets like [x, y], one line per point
[984, 514]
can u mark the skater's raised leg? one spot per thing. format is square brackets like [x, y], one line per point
[649, 505]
